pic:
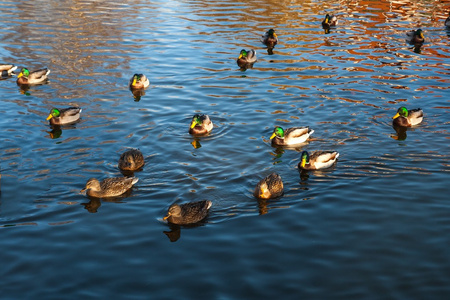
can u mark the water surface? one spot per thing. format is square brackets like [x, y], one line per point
[374, 226]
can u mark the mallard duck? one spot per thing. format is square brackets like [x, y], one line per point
[270, 38]
[329, 21]
[317, 160]
[35, 77]
[188, 213]
[447, 21]
[246, 57]
[290, 136]
[200, 124]
[131, 160]
[7, 69]
[64, 116]
[269, 187]
[408, 118]
[139, 81]
[415, 37]
[109, 187]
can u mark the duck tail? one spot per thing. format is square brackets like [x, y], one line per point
[135, 180]
[209, 204]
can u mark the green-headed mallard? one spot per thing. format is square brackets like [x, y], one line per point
[131, 160]
[188, 213]
[408, 118]
[35, 77]
[447, 21]
[109, 187]
[64, 116]
[246, 57]
[7, 70]
[269, 187]
[317, 160]
[200, 124]
[329, 21]
[415, 37]
[139, 81]
[290, 136]
[270, 38]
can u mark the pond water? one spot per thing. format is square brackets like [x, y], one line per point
[374, 226]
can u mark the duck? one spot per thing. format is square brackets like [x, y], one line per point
[64, 115]
[26, 77]
[447, 21]
[270, 38]
[139, 81]
[109, 187]
[330, 20]
[290, 136]
[188, 213]
[317, 160]
[269, 187]
[246, 57]
[407, 118]
[415, 37]
[7, 69]
[201, 124]
[131, 160]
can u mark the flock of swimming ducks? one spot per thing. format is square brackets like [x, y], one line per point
[269, 187]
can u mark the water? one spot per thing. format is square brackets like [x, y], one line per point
[375, 226]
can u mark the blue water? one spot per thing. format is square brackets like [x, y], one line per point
[374, 226]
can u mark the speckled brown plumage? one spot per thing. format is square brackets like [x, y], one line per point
[269, 187]
[131, 160]
[188, 213]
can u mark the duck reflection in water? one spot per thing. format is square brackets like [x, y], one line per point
[94, 203]
[175, 230]
[137, 94]
[196, 143]
[277, 153]
[401, 132]
[264, 205]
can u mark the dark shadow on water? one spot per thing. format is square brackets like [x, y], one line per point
[417, 48]
[175, 230]
[400, 131]
[57, 130]
[137, 94]
[264, 205]
[306, 175]
[94, 203]
[244, 66]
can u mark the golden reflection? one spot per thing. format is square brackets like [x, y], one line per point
[196, 143]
